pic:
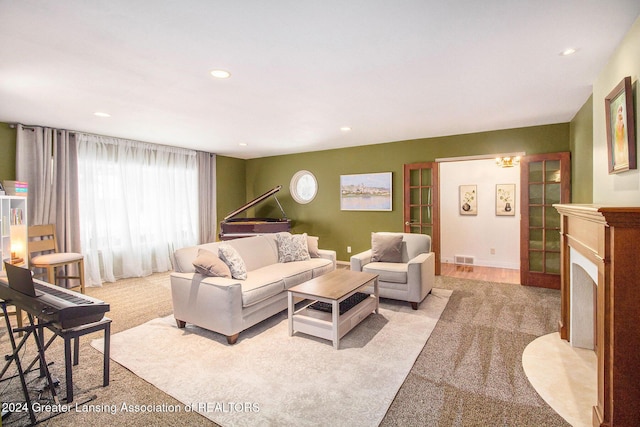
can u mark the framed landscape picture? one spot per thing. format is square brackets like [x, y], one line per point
[505, 199]
[366, 192]
[468, 199]
[621, 136]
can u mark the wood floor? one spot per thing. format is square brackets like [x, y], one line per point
[490, 274]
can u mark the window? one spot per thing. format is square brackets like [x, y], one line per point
[138, 203]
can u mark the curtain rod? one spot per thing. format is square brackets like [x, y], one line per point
[32, 128]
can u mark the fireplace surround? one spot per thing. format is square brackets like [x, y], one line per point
[600, 245]
[583, 284]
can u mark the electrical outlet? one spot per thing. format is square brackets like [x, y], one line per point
[348, 249]
[493, 251]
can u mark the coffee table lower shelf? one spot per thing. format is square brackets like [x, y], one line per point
[321, 324]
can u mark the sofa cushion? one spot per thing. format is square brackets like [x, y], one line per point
[322, 268]
[386, 247]
[231, 257]
[268, 281]
[298, 272]
[209, 264]
[312, 246]
[256, 251]
[261, 284]
[292, 247]
[388, 271]
[297, 277]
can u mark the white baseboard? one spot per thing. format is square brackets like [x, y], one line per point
[485, 263]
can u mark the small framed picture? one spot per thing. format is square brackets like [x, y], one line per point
[621, 135]
[505, 199]
[468, 199]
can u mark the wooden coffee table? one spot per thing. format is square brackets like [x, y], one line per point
[332, 288]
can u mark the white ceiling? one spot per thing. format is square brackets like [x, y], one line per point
[392, 70]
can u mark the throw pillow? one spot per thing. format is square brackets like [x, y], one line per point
[312, 246]
[292, 248]
[386, 247]
[232, 258]
[209, 264]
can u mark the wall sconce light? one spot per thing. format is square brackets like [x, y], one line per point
[508, 161]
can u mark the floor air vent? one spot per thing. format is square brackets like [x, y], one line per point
[463, 260]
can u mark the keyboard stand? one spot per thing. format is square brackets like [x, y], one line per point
[75, 334]
[31, 329]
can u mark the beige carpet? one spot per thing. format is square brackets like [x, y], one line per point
[269, 378]
[468, 374]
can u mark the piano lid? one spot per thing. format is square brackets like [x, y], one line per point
[256, 201]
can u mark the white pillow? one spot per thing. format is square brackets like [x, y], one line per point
[292, 248]
[232, 258]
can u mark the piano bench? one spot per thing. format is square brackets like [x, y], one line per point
[74, 334]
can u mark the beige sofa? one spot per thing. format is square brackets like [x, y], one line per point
[229, 306]
[409, 277]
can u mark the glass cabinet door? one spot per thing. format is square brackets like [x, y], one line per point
[545, 181]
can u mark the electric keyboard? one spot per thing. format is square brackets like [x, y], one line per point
[58, 305]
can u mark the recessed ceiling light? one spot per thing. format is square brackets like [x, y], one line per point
[220, 74]
[345, 128]
[242, 144]
[567, 52]
[101, 114]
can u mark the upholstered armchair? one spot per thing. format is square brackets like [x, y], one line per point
[403, 262]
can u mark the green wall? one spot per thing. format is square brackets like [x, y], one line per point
[230, 186]
[338, 229]
[581, 140]
[7, 152]
[241, 180]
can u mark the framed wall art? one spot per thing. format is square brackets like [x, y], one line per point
[468, 199]
[621, 135]
[505, 199]
[366, 192]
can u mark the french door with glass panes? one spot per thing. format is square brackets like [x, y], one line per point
[545, 181]
[421, 203]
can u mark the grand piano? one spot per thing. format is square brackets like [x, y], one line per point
[234, 228]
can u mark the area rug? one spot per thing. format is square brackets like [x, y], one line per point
[270, 378]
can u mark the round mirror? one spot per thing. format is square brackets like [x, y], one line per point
[303, 187]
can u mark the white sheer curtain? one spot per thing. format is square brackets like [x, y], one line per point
[138, 203]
